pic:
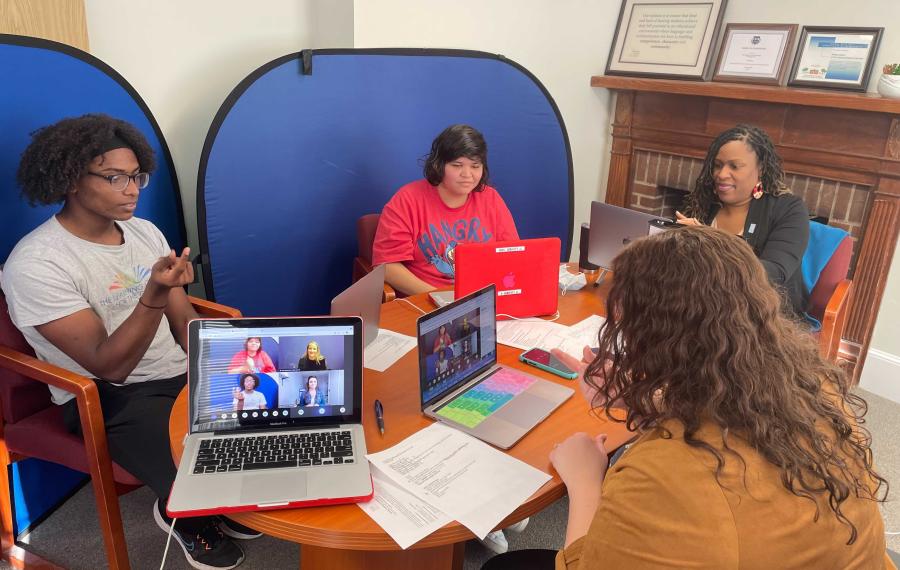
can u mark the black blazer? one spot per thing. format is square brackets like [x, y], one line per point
[777, 228]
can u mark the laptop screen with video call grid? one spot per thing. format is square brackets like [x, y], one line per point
[259, 373]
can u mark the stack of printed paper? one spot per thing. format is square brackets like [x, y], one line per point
[440, 474]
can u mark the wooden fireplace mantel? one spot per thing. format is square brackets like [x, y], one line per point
[765, 93]
[835, 137]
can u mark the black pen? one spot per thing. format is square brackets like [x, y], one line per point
[379, 416]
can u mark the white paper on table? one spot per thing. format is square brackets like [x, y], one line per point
[387, 348]
[465, 478]
[527, 334]
[582, 334]
[402, 515]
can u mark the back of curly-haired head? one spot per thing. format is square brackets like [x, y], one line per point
[59, 154]
[454, 142]
[771, 174]
[728, 355]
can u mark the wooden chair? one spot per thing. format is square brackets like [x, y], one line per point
[32, 427]
[362, 264]
[829, 301]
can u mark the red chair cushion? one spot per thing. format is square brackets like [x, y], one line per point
[19, 396]
[834, 272]
[43, 436]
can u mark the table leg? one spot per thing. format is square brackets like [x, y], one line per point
[448, 557]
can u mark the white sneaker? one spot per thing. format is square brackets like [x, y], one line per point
[496, 542]
[519, 526]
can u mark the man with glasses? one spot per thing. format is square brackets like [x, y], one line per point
[99, 292]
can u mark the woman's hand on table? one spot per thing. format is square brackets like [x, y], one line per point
[573, 363]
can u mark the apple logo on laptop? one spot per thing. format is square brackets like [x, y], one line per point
[509, 280]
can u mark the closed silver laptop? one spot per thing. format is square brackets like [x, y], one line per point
[363, 299]
[612, 228]
[265, 433]
[462, 385]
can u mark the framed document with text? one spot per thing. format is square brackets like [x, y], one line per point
[836, 58]
[665, 38]
[755, 53]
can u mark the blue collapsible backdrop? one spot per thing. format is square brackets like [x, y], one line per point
[43, 82]
[309, 142]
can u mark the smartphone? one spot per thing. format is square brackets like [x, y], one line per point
[546, 361]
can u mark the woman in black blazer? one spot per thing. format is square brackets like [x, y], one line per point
[741, 190]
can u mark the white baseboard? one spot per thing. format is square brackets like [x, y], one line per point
[881, 374]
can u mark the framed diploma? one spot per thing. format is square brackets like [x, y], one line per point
[836, 58]
[665, 38]
[755, 53]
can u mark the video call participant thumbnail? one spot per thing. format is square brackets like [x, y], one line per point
[252, 359]
[313, 359]
[312, 394]
[248, 398]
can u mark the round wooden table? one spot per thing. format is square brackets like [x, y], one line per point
[344, 536]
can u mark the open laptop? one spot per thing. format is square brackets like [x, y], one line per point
[612, 228]
[524, 272]
[363, 299]
[461, 384]
[290, 446]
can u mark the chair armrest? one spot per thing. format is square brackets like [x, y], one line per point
[834, 319]
[93, 431]
[215, 310]
[389, 294]
[44, 372]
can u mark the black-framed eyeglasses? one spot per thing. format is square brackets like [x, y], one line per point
[119, 182]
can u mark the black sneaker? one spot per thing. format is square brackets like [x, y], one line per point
[207, 549]
[237, 530]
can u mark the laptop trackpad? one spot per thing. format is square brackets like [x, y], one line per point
[273, 487]
[525, 410]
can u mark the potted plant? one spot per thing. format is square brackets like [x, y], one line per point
[889, 82]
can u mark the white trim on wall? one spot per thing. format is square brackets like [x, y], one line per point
[881, 374]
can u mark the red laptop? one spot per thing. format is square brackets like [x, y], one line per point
[525, 272]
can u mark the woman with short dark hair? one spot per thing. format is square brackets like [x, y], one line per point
[425, 220]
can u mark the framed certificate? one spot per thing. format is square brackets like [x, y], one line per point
[755, 53]
[665, 38]
[835, 58]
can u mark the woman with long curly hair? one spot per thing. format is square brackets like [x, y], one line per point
[741, 190]
[749, 449]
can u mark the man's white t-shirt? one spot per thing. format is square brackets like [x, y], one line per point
[52, 274]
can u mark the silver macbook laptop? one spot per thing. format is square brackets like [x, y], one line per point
[363, 299]
[265, 433]
[461, 384]
[612, 228]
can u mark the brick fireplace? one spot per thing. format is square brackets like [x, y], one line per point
[841, 154]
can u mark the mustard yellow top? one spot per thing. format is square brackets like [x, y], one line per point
[662, 507]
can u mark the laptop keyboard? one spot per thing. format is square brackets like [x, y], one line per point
[273, 451]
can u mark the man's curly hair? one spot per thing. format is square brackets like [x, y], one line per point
[59, 154]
